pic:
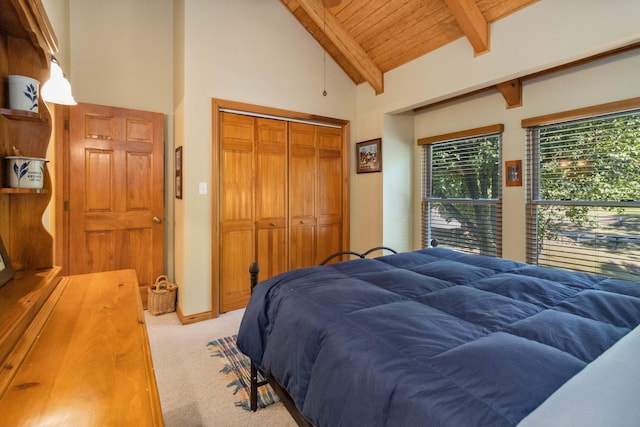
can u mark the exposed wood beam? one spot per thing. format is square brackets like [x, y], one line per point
[562, 67]
[473, 24]
[346, 44]
[511, 92]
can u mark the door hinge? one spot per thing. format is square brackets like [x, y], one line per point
[66, 205]
[66, 124]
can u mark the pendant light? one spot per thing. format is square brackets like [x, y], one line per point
[57, 90]
[325, 5]
[324, 51]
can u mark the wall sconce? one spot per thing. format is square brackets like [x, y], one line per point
[57, 89]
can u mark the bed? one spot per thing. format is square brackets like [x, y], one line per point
[444, 338]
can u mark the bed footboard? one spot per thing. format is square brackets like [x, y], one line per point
[254, 270]
[285, 398]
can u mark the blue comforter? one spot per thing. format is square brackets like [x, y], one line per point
[432, 337]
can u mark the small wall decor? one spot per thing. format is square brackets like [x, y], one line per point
[178, 166]
[513, 170]
[369, 156]
[6, 272]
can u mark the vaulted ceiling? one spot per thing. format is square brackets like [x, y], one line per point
[367, 38]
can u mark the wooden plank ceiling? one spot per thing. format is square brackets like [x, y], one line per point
[367, 38]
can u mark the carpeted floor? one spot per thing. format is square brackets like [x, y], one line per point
[193, 391]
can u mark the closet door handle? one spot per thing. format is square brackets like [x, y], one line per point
[273, 224]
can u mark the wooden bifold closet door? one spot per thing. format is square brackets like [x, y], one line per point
[281, 199]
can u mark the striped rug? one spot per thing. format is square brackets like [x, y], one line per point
[237, 368]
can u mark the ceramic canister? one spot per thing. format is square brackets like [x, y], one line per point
[25, 172]
[23, 93]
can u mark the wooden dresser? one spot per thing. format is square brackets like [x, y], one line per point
[84, 359]
[74, 350]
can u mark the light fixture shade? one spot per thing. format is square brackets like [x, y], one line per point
[57, 89]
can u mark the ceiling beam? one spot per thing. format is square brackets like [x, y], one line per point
[473, 24]
[518, 82]
[346, 44]
[511, 92]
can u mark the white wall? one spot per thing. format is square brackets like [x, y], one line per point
[543, 35]
[58, 14]
[398, 186]
[121, 53]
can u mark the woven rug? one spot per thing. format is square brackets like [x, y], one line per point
[237, 368]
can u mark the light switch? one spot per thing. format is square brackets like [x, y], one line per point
[202, 188]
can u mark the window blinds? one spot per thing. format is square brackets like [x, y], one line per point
[584, 195]
[461, 205]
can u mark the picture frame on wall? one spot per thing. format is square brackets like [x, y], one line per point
[369, 156]
[6, 272]
[178, 166]
[513, 170]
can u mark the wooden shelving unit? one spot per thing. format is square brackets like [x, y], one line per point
[20, 115]
[9, 190]
[60, 338]
[26, 44]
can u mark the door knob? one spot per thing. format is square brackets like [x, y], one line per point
[157, 219]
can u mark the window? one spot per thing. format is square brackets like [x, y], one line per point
[584, 194]
[461, 203]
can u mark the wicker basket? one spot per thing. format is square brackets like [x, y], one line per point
[162, 296]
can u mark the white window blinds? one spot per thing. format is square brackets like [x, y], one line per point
[584, 194]
[461, 206]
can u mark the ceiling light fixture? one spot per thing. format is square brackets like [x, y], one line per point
[57, 90]
[325, 5]
[324, 51]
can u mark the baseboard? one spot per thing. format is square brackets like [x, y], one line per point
[193, 318]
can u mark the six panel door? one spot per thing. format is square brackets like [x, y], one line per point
[116, 196]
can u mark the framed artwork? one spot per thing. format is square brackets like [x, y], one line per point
[6, 272]
[514, 173]
[369, 156]
[178, 165]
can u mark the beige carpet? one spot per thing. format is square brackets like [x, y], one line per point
[193, 391]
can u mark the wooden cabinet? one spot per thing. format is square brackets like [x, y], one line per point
[84, 359]
[281, 199]
[73, 351]
[26, 41]
[25, 46]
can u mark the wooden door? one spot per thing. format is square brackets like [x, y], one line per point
[253, 203]
[237, 234]
[330, 197]
[316, 193]
[116, 191]
[303, 188]
[271, 197]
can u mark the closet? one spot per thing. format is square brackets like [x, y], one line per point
[283, 198]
